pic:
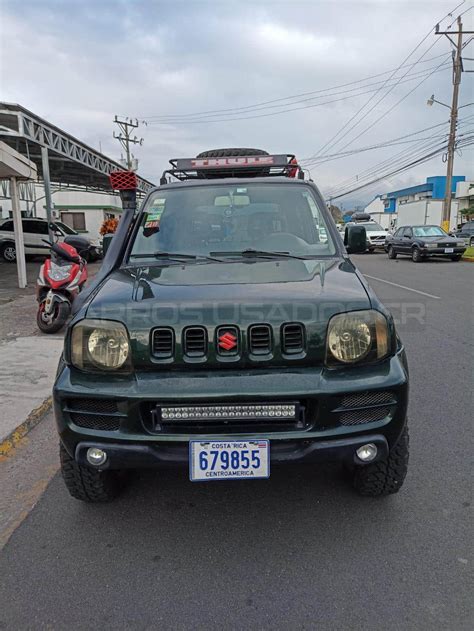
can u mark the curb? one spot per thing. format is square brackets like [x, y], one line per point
[33, 418]
[469, 259]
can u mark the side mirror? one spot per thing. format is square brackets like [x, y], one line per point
[355, 239]
[106, 241]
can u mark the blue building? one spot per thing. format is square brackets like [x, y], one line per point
[434, 189]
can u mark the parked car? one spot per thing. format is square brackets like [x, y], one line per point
[466, 232]
[35, 231]
[223, 334]
[375, 234]
[421, 242]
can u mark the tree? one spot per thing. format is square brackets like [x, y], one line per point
[336, 213]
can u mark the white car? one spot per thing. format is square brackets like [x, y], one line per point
[376, 235]
[34, 231]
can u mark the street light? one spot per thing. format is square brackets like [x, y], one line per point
[432, 100]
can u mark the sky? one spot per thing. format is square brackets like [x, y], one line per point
[79, 63]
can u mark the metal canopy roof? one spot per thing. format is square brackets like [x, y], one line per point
[71, 162]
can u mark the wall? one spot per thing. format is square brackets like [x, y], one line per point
[375, 206]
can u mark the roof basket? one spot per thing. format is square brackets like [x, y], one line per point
[123, 180]
[233, 166]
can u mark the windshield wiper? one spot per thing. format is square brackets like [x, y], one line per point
[250, 253]
[175, 256]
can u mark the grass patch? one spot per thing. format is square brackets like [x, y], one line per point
[469, 252]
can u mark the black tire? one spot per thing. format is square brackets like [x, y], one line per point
[416, 255]
[59, 319]
[456, 258]
[391, 252]
[385, 476]
[8, 252]
[471, 242]
[229, 153]
[86, 484]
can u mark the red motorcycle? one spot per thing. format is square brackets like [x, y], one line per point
[60, 279]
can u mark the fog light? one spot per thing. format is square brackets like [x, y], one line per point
[96, 456]
[367, 453]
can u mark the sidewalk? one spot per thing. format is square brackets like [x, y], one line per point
[28, 358]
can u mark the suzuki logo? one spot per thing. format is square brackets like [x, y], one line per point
[227, 341]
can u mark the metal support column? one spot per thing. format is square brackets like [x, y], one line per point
[47, 189]
[18, 231]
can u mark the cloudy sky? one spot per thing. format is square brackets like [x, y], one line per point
[78, 63]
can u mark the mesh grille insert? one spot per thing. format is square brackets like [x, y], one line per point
[363, 399]
[357, 417]
[292, 338]
[93, 405]
[96, 421]
[260, 339]
[162, 343]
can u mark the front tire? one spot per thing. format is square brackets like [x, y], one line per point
[87, 484]
[391, 252]
[8, 252]
[386, 476]
[456, 258]
[55, 322]
[416, 255]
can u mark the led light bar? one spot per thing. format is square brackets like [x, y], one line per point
[245, 411]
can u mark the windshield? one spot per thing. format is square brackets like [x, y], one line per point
[429, 231]
[206, 220]
[66, 229]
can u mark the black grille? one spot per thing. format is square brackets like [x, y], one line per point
[364, 399]
[162, 343]
[100, 414]
[260, 339]
[368, 415]
[96, 421]
[292, 338]
[95, 406]
[195, 341]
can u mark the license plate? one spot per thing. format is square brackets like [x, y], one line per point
[448, 250]
[229, 460]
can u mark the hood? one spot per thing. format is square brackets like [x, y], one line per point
[238, 294]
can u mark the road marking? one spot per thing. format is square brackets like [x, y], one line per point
[416, 291]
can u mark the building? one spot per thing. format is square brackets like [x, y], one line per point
[465, 197]
[422, 203]
[376, 209]
[433, 189]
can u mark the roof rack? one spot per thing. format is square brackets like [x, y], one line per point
[233, 166]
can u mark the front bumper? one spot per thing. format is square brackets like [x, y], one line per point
[133, 443]
[441, 252]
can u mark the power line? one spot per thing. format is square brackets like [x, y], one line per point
[467, 142]
[332, 139]
[294, 109]
[386, 143]
[400, 167]
[261, 105]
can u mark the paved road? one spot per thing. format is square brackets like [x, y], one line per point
[299, 551]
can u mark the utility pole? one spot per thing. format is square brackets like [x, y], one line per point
[126, 126]
[457, 74]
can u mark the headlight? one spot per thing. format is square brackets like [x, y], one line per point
[59, 272]
[431, 246]
[356, 336]
[100, 345]
[460, 244]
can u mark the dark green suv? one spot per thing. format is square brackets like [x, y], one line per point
[228, 331]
